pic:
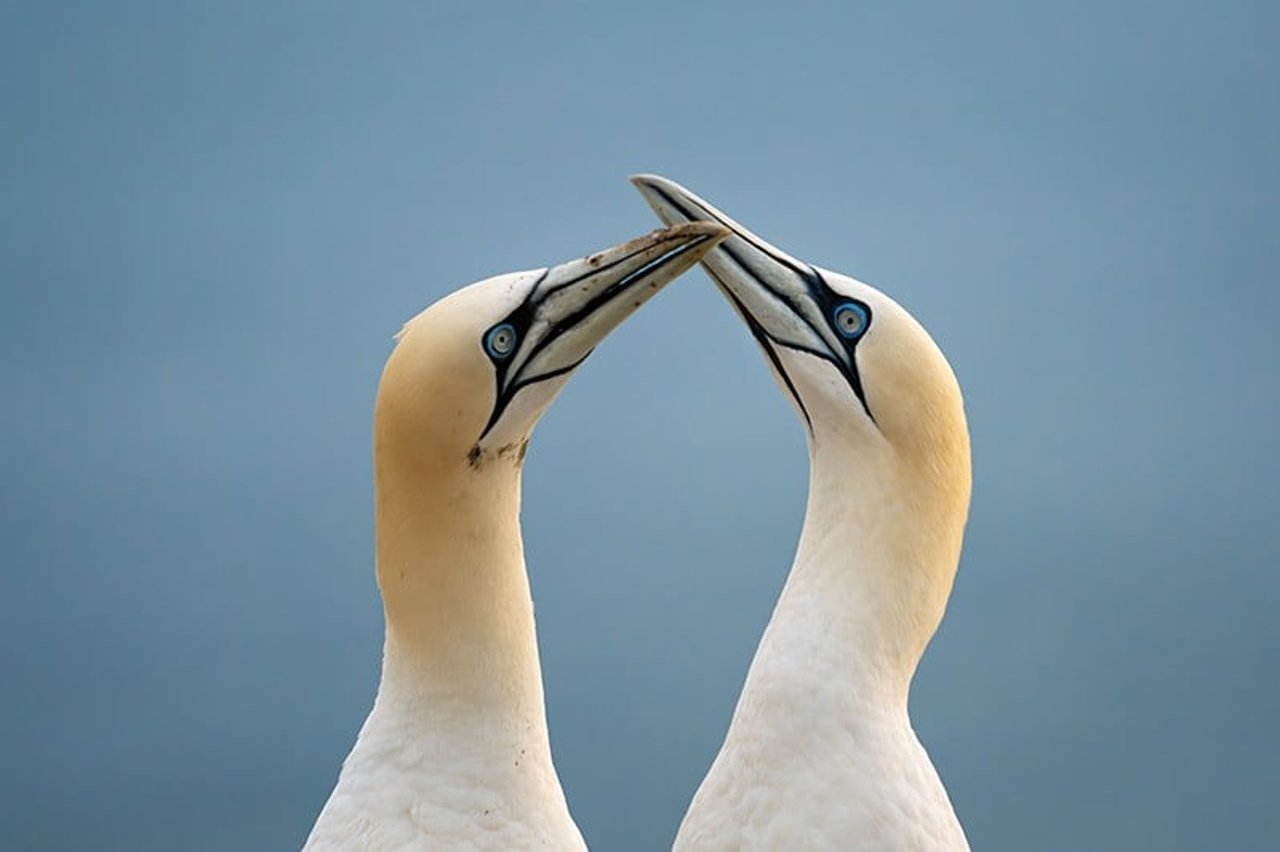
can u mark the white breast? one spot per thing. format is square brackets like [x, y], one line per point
[404, 788]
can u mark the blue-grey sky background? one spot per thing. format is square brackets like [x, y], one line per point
[214, 217]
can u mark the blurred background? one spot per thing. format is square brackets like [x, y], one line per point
[214, 217]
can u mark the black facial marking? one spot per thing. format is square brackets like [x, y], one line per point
[828, 300]
[817, 289]
[763, 339]
[522, 318]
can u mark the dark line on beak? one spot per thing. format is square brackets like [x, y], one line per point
[559, 328]
[611, 292]
[808, 273]
[594, 271]
[746, 270]
[763, 339]
[849, 372]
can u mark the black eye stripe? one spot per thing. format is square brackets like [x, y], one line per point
[831, 302]
[826, 298]
[520, 322]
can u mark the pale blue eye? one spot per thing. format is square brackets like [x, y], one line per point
[501, 340]
[850, 320]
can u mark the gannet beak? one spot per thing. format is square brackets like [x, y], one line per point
[784, 301]
[575, 305]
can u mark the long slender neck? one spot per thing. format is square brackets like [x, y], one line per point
[461, 649]
[456, 746]
[871, 576]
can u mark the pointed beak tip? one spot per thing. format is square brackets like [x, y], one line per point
[672, 203]
[650, 185]
[647, 182]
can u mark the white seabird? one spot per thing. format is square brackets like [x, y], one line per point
[820, 753]
[455, 753]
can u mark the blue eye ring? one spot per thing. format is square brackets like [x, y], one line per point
[850, 320]
[500, 341]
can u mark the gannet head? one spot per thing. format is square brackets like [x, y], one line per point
[471, 374]
[852, 360]
[885, 417]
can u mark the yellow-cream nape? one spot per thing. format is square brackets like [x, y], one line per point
[455, 752]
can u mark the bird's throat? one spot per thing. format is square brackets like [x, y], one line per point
[872, 572]
[450, 563]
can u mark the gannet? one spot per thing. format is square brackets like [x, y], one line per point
[455, 752]
[820, 752]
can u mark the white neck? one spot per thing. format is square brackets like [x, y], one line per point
[824, 707]
[456, 749]
[872, 571]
